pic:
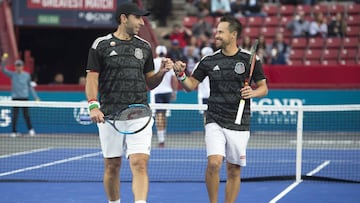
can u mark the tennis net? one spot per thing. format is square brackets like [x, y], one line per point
[287, 142]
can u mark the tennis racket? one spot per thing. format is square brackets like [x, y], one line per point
[247, 82]
[133, 119]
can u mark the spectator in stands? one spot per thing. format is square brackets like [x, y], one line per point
[176, 52]
[58, 79]
[337, 27]
[246, 44]
[161, 9]
[253, 8]
[20, 88]
[220, 7]
[299, 25]
[163, 93]
[191, 8]
[82, 80]
[204, 7]
[192, 57]
[280, 50]
[262, 49]
[237, 8]
[201, 28]
[193, 44]
[179, 33]
[318, 27]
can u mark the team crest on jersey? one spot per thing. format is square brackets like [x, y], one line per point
[138, 53]
[239, 68]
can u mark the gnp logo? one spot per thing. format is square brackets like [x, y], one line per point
[82, 112]
[277, 117]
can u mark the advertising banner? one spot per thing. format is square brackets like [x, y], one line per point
[65, 13]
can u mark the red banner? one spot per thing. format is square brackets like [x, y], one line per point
[79, 5]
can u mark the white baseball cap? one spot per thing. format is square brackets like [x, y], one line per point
[206, 51]
[161, 49]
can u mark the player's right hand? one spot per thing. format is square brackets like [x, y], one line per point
[97, 116]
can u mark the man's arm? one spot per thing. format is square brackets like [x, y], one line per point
[188, 83]
[154, 79]
[4, 70]
[91, 91]
[247, 92]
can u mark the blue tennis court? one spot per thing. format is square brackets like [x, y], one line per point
[48, 174]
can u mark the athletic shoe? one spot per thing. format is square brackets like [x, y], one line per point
[32, 132]
[162, 145]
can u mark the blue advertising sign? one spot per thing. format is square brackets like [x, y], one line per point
[65, 13]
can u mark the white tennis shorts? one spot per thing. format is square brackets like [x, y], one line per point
[230, 144]
[115, 144]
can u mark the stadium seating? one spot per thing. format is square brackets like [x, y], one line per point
[309, 51]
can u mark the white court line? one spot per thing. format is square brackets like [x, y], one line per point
[284, 192]
[292, 186]
[23, 153]
[50, 164]
[317, 169]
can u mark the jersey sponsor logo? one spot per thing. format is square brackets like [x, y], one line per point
[239, 68]
[216, 68]
[113, 53]
[138, 53]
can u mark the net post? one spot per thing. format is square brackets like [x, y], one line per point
[299, 143]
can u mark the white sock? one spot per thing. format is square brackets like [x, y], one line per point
[116, 201]
[140, 201]
[161, 135]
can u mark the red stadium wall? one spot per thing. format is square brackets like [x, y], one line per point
[313, 77]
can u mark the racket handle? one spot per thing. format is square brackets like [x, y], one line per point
[85, 118]
[240, 112]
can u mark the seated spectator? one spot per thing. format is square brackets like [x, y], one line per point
[82, 80]
[246, 43]
[191, 8]
[318, 27]
[161, 10]
[279, 51]
[179, 33]
[299, 25]
[176, 52]
[337, 27]
[220, 7]
[202, 27]
[191, 58]
[237, 8]
[58, 79]
[253, 8]
[262, 49]
[204, 7]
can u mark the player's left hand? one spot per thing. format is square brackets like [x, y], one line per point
[166, 64]
[246, 92]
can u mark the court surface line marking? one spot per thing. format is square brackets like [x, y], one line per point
[293, 185]
[284, 192]
[24, 152]
[317, 169]
[50, 164]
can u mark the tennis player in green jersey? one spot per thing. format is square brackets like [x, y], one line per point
[120, 68]
[227, 69]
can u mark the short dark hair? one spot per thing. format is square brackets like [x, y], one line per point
[234, 24]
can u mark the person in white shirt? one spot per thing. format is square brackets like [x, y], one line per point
[165, 92]
[204, 86]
